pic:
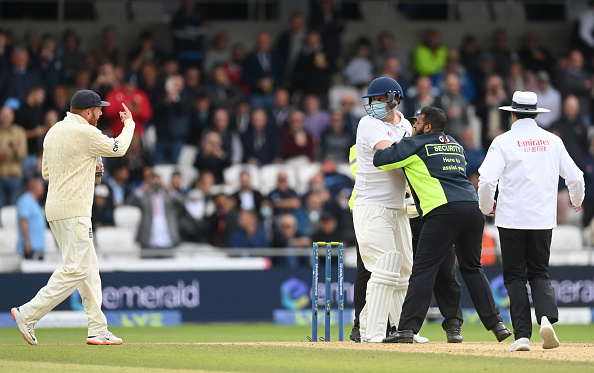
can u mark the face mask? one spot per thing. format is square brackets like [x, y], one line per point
[379, 109]
[265, 211]
[156, 186]
[314, 216]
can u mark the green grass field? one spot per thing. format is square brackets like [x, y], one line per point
[207, 348]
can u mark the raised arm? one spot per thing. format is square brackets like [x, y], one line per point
[104, 146]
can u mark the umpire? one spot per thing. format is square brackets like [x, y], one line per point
[526, 162]
[435, 165]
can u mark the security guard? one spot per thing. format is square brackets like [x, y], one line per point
[447, 290]
[435, 166]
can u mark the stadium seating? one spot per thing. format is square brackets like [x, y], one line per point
[117, 242]
[187, 156]
[231, 175]
[378, 11]
[509, 11]
[110, 10]
[304, 175]
[345, 169]
[9, 259]
[189, 175]
[567, 246]
[127, 217]
[8, 217]
[269, 174]
[474, 11]
[147, 10]
[567, 237]
[335, 95]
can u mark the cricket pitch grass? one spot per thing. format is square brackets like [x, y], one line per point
[273, 348]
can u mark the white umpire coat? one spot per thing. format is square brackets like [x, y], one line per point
[526, 163]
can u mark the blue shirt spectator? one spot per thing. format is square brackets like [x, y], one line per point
[31, 221]
[260, 142]
[249, 234]
[284, 199]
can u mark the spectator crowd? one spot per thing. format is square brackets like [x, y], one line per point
[267, 105]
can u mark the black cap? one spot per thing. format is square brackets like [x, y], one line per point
[86, 99]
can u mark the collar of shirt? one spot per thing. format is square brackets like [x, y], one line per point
[524, 123]
[76, 117]
[400, 123]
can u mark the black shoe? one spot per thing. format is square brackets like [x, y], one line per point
[355, 334]
[453, 331]
[390, 330]
[501, 331]
[400, 336]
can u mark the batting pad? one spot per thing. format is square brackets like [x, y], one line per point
[396, 305]
[379, 297]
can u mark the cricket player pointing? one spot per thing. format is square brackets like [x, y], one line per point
[379, 212]
[70, 150]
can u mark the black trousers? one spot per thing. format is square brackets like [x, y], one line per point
[462, 224]
[525, 256]
[447, 289]
[361, 278]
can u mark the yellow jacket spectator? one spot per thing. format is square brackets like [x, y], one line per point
[429, 57]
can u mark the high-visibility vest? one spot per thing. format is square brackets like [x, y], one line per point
[353, 166]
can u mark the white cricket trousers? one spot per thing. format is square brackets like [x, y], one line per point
[379, 230]
[80, 271]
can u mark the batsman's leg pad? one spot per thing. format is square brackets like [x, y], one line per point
[396, 303]
[380, 291]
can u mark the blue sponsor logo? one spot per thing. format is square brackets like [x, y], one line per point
[142, 318]
[76, 302]
[499, 292]
[294, 294]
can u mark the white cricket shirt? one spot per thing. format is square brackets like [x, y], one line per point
[374, 186]
[526, 163]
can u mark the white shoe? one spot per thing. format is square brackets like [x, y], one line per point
[27, 330]
[418, 339]
[376, 339]
[521, 344]
[549, 338]
[104, 339]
